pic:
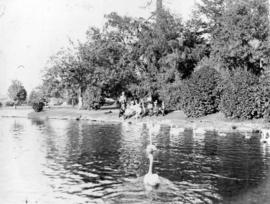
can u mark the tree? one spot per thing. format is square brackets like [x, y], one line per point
[36, 95]
[243, 38]
[208, 15]
[238, 32]
[66, 71]
[129, 54]
[21, 95]
[17, 92]
[102, 54]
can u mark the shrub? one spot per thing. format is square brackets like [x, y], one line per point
[92, 98]
[171, 95]
[9, 103]
[200, 93]
[38, 106]
[243, 96]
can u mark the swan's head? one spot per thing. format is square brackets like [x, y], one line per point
[150, 149]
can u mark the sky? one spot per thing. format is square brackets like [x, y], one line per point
[33, 30]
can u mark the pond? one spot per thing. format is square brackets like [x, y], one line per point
[61, 161]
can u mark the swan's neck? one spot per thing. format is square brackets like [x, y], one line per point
[151, 164]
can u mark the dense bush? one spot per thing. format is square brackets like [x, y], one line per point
[38, 106]
[171, 95]
[9, 103]
[243, 96]
[200, 94]
[92, 98]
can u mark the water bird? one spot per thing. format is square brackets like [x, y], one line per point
[154, 128]
[199, 131]
[151, 179]
[175, 131]
[265, 136]
[150, 149]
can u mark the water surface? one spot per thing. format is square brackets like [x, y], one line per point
[60, 161]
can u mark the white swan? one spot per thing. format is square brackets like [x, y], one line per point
[151, 179]
[154, 128]
[198, 130]
[175, 131]
[265, 136]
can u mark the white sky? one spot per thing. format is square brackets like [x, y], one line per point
[33, 30]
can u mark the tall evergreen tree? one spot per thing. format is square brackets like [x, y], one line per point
[242, 38]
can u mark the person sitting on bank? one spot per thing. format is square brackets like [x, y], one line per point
[122, 109]
[162, 108]
[149, 99]
[144, 109]
[155, 109]
[138, 109]
[150, 108]
[123, 98]
[123, 104]
[129, 112]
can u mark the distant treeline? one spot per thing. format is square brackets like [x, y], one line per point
[216, 61]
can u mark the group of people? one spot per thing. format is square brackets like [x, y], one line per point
[140, 108]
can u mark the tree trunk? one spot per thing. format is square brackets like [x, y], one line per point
[72, 102]
[158, 9]
[159, 5]
[80, 99]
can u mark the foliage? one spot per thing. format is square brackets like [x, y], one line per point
[166, 54]
[200, 93]
[171, 95]
[92, 98]
[35, 95]
[208, 15]
[103, 54]
[243, 96]
[241, 39]
[38, 106]
[17, 92]
[21, 95]
[170, 60]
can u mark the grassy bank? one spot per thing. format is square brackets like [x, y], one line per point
[215, 121]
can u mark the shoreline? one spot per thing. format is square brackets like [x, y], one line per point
[215, 121]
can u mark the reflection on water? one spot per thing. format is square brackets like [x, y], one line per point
[59, 161]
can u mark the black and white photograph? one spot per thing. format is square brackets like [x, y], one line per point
[134, 102]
